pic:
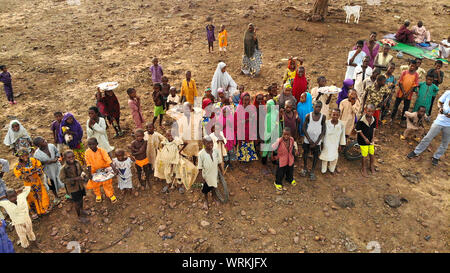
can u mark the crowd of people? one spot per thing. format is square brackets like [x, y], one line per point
[223, 126]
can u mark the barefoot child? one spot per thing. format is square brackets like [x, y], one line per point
[55, 127]
[5, 78]
[139, 151]
[286, 149]
[97, 159]
[365, 128]
[314, 130]
[209, 163]
[122, 166]
[73, 176]
[158, 110]
[17, 208]
[290, 118]
[170, 158]
[165, 91]
[156, 71]
[210, 37]
[414, 124]
[154, 140]
[333, 141]
[134, 102]
[112, 110]
[223, 39]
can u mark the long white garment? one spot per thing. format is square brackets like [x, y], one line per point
[124, 177]
[334, 136]
[358, 61]
[222, 80]
[11, 137]
[51, 170]
[219, 147]
[99, 132]
[209, 167]
[18, 213]
[323, 98]
[360, 77]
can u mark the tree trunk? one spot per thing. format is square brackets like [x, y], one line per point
[319, 11]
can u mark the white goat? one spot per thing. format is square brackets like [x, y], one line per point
[352, 10]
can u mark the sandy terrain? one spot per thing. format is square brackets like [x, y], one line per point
[58, 53]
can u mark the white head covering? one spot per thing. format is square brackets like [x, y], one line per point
[222, 80]
[11, 137]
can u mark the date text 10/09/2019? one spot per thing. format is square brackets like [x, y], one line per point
[249, 263]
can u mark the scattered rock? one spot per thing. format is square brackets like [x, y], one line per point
[243, 213]
[350, 245]
[161, 227]
[427, 238]
[344, 202]
[412, 177]
[54, 232]
[106, 220]
[204, 223]
[394, 201]
[272, 231]
[296, 239]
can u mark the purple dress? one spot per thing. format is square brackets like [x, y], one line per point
[6, 245]
[5, 78]
[210, 33]
[157, 73]
[75, 127]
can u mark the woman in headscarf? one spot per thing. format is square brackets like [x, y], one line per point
[17, 137]
[208, 114]
[96, 127]
[404, 35]
[286, 95]
[226, 121]
[272, 127]
[222, 79]
[29, 170]
[300, 84]
[71, 134]
[371, 48]
[304, 107]
[348, 84]
[48, 155]
[111, 110]
[251, 61]
[245, 123]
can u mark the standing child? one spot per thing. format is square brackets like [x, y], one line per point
[139, 151]
[290, 118]
[438, 78]
[209, 163]
[408, 81]
[156, 71]
[73, 176]
[414, 124]
[55, 127]
[237, 96]
[173, 98]
[154, 140]
[48, 155]
[112, 110]
[134, 102]
[97, 159]
[365, 128]
[349, 109]
[314, 130]
[223, 39]
[96, 127]
[17, 208]
[29, 170]
[226, 121]
[170, 159]
[165, 91]
[286, 149]
[332, 142]
[122, 167]
[5, 78]
[210, 37]
[219, 141]
[426, 91]
[158, 110]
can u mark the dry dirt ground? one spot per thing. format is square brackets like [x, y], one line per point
[58, 53]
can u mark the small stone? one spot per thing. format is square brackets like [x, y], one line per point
[172, 204]
[344, 202]
[106, 220]
[54, 232]
[141, 228]
[296, 239]
[161, 227]
[272, 231]
[243, 213]
[204, 223]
